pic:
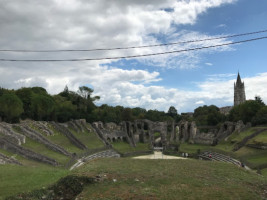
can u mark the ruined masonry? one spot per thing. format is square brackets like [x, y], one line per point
[165, 134]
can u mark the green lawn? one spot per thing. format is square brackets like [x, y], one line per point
[170, 179]
[238, 137]
[63, 141]
[15, 179]
[23, 160]
[42, 149]
[264, 172]
[193, 148]
[88, 139]
[258, 159]
[261, 138]
[124, 147]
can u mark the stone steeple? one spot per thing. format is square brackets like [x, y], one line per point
[239, 91]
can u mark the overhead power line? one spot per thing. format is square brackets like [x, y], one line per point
[132, 56]
[132, 47]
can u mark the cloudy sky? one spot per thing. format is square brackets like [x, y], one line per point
[185, 80]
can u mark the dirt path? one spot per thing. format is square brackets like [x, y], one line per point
[158, 155]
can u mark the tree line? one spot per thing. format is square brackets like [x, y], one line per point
[35, 103]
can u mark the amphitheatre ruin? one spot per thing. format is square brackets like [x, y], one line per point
[77, 143]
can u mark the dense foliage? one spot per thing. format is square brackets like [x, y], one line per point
[35, 103]
[249, 111]
[208, 115]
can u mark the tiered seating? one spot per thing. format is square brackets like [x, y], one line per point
[103, 154]
[218, 157]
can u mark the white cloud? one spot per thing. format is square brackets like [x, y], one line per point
[219, 93]
[209, 64]
[221, 26]
[81, 24]
[200, 102]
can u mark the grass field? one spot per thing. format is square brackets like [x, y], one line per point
[124, 147]
[16, 179]
[88, 139]
[237, 137]
[261, 138]
[170, 179]
[193, 148]
[42, 149]
[127, 178]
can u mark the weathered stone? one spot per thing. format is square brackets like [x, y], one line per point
[42, 126]
[192, 132]
[31, 133]
[62, 129]
[6, 130]
[227, 128]
[79, 125]
[239, 91]
[239, 126]
[73, 126]
[8, 160]
[12, 147]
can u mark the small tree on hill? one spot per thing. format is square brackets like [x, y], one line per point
[11, 107]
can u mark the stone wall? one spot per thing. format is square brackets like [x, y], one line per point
[170, 132]
[26, 153]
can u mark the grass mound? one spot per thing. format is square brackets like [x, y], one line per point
[66, 188]
[124, 147]
[170, 179]
[16, 179]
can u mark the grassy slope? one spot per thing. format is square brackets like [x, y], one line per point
[42, 149]
[22, 160]
[88, 139]
[15, 179]
[253, 156]
[261, 138]
[124, 147]
[158, 179]
[170, 179]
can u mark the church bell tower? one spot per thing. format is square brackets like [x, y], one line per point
[239, 91]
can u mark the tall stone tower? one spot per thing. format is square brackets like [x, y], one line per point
[239, 91]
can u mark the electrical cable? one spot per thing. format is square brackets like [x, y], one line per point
[132, 47]
[133, 56]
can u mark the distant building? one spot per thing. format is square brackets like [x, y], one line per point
[187, 114]
[225, 110]
[239, 91]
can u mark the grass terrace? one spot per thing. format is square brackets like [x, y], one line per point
[15, 179]
[170, 179]
[124, 147]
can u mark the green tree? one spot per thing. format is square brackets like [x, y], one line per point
[126, 114]
[172, 112]
[64, 109]
[42, 107]
[245, 111]
[39, 90]
[25, 95]
[259, 100]
[261, 117]
[138, 113]
[11, 107]
[208, 115]
[86, 92]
